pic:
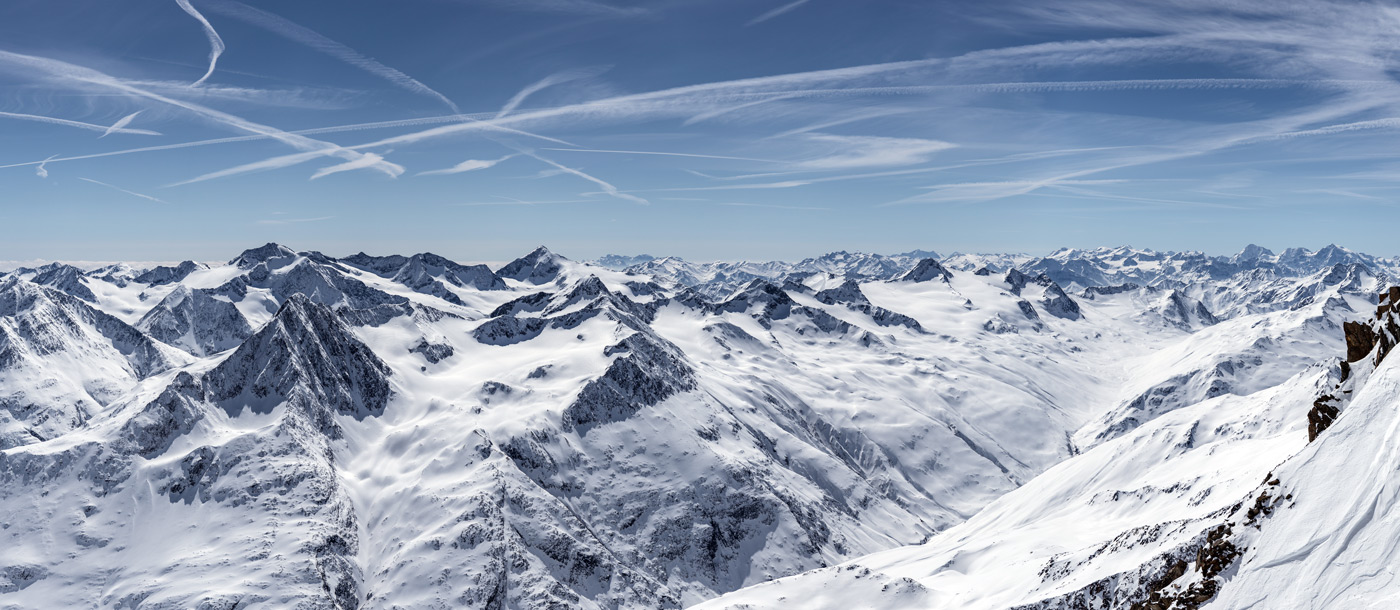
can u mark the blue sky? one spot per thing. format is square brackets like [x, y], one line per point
[709, 129]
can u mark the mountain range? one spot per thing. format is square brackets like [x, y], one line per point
[1107, 428]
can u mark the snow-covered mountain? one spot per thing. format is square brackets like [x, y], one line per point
[1086, 429]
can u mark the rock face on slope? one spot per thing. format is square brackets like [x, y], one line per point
[428, 273]
[538, 267]
[61, 360]
[1052, 298]
[306, 358]
[646, 372]
[267, 252]
[287, 532]
[65, 278]
[158, 276]
[195, 321]
[1368, 343]
[926, 270]
[289, 275]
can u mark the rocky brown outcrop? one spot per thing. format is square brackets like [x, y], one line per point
[1377, 336]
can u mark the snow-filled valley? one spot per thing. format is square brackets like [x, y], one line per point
[1108, 428]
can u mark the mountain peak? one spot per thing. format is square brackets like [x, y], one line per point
[926, 270]
[1252, 252]
[251, 257]
[307, 357]
[538, 267]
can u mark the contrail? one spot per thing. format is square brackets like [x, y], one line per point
[79, 124]
[664, 154]
[451, 118]
[367, 161]
[304, 36]
[471, 165]
[302, 157]
[216, 44]
[40, 171]
[607, 187]
[78, 74]
[121, 123]
[548, 81]
[776, 12]
[118, 188]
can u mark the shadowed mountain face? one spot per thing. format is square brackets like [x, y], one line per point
[293, 429]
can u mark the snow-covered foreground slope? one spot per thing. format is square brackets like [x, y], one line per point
[1222, 504]
[296, 430]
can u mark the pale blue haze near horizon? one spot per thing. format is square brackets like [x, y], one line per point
[707, 129]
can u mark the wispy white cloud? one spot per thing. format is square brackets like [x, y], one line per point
[305, 36]
[78, 124]
[365, 161]
[844, 120]
[470, 165]
[216, 44]
[856, 152]
[120, 124]
[776, 12]
[557, 78]
[1386, 123]
[296, 96]
[723, 110]
[120, 189]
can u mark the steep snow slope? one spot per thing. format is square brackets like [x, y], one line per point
[1240, 356]
[1092, 532]
[1215, 505]
[1330, 536]
[217, 491]
[61, 362]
